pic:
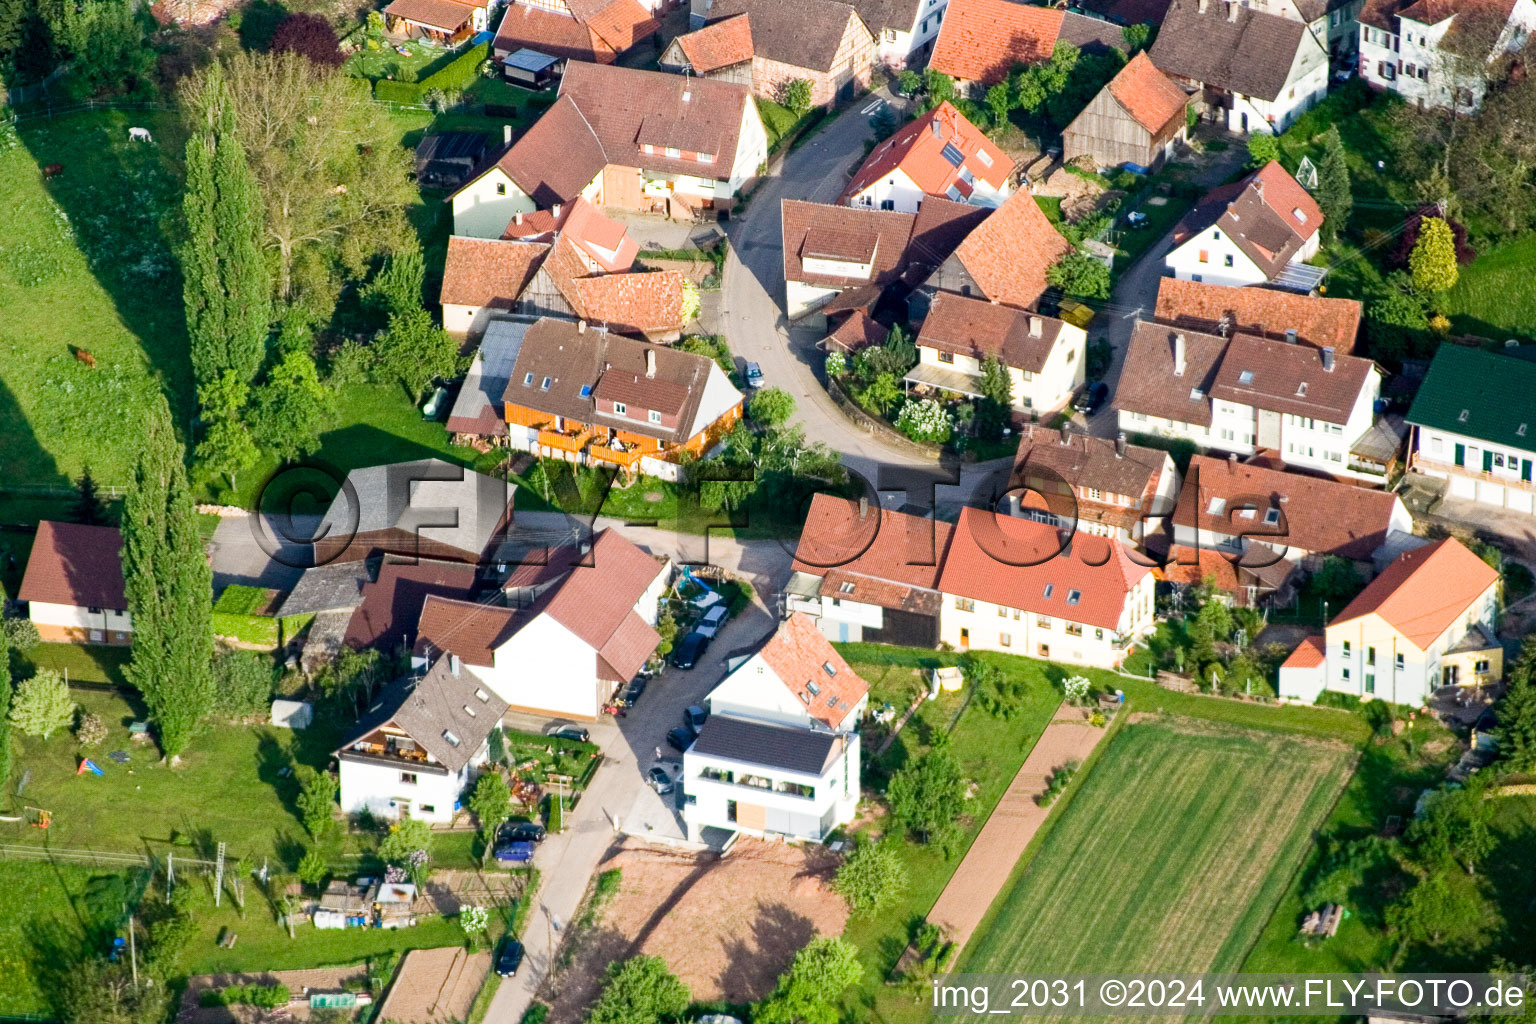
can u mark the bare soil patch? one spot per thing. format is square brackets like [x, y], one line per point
[727, 926]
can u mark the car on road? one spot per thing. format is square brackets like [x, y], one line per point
[514, 853]
[509, 957]
[663, 777]
[689, 650]
[681, 738]
[1092, 398]
[695, 716]
[520, 832]
[568, 731]
[755, 376]
[713, 619]
[630, 695]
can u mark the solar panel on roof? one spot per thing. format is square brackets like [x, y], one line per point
[953, 155]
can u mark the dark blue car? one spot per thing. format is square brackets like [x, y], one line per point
[514, 853]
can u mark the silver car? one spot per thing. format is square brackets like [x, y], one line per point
[713, 619]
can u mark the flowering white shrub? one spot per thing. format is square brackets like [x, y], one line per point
[836, 363]
[1076, 689]
[923, 419]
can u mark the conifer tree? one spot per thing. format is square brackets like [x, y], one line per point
[1333, 188]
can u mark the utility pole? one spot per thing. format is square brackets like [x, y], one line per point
[133, 952]
[218, 877]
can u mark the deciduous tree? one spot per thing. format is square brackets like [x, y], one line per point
[42, 704]
[415, 351]
[797, 96]
[810, 992]
[311, 37]
[1080, 275]
[227, 446]
[640, 990]
[771, 407]
[872, 878]
[491, 803]
[169, 587]
[291, 408]
[928, 795]
[1433, 261]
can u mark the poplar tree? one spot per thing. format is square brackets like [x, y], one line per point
[169, 586]
[227, 284]
[1333, 189]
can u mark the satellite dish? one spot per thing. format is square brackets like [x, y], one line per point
[1306, 174]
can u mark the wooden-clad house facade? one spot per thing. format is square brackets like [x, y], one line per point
[1133, 121]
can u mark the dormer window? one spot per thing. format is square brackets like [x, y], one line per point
[620, 409]
[846, 588]
[655, 416]
[1216, 507]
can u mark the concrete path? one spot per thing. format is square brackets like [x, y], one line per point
[989, 862]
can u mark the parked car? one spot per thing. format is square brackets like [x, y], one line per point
[689, 650]
[568, 731]
[509, 958]
[713, 619]
[1092, 398]
[630, 695]
[681, 738]
[695, 716]
[520, 832]
[755, 376]
[514, 853]
[662, 778]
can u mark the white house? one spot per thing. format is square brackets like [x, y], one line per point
[568, 650]
[642, 141]
[796, 678]
[1260, 230]
[1045, 357]
[1023, 587]
[1433, 53]
[940, 154]
[1311, 407]
[418, 746]
[748, 775]
[779, 754]
[1258, 71]
[74, 585]
[904, 30]
[1428, 621]
[1474, 426]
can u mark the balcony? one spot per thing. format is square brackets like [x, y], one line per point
[570, 440]
[617, 452]
[1422, 462]
[392, 749]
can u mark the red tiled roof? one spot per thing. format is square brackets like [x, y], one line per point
[488, 271]
[1269, 312]
[1310, 653]
[1018, 563]
[599, 236]
[1008, 253]
[857, 331]
[718, 45]
[447, 15]
[75, 565]
[1425, 592]
[799, 655]
[391, 605]
[619, 23]
[644, 302]
[889, 558]
[597, 32]
[980, 329]
[556, 157]
[1267, 214]
[1316, 515]
[981, 40]
[597, 601]
[1291, 379]
[809, 228]
[917, 150]
[471, 630]
[1149, 96]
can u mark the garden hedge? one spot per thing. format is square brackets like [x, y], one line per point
[459, 73]
[387, 90]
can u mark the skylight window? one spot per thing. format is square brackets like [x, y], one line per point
[1463, 417]
[1050, 588]
[832, 701]
[527, 378]
[1195, 394]
[829, 668]
[586, 391]
[469, 711]
[1300, 215]
[1271, 516]
[814, 687]
[952, 153]
[482, 696]
[1301, 390]
[1521, 431]
[984, 157]
[544, 385]
[452, 737]
[1246, 377]
[1074, 596]
[1217, 506]
[1247, 511]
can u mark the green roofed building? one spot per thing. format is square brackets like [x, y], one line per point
[1474, 426]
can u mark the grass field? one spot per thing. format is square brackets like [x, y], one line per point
[1495, 296]
[1171, 855]
[41, 915]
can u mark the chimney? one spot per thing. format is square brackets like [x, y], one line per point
[556, 210]
[1120, 445]
[863, 506]
[687, 96]
[581, 327]
[1231, 10]
[517, 218]
[650, 362]
[1202, 6]
[1036, 327]
[1290, 336]
[453, 664]
[506, 129]
[1327, 358]
[1178, 355]
[1232, 462]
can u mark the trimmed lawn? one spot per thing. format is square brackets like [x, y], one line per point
[81, 664]
[86, 265]
[42, 920]
[1171, 854]
[1495, 296]
[227, 788]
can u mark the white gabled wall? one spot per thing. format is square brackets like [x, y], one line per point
[544, 666]
[1224, 262]
[484, 207]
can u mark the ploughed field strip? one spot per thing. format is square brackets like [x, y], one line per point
[1172, 855]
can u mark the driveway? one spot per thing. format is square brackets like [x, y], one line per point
[619, 797]
[754, 288]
